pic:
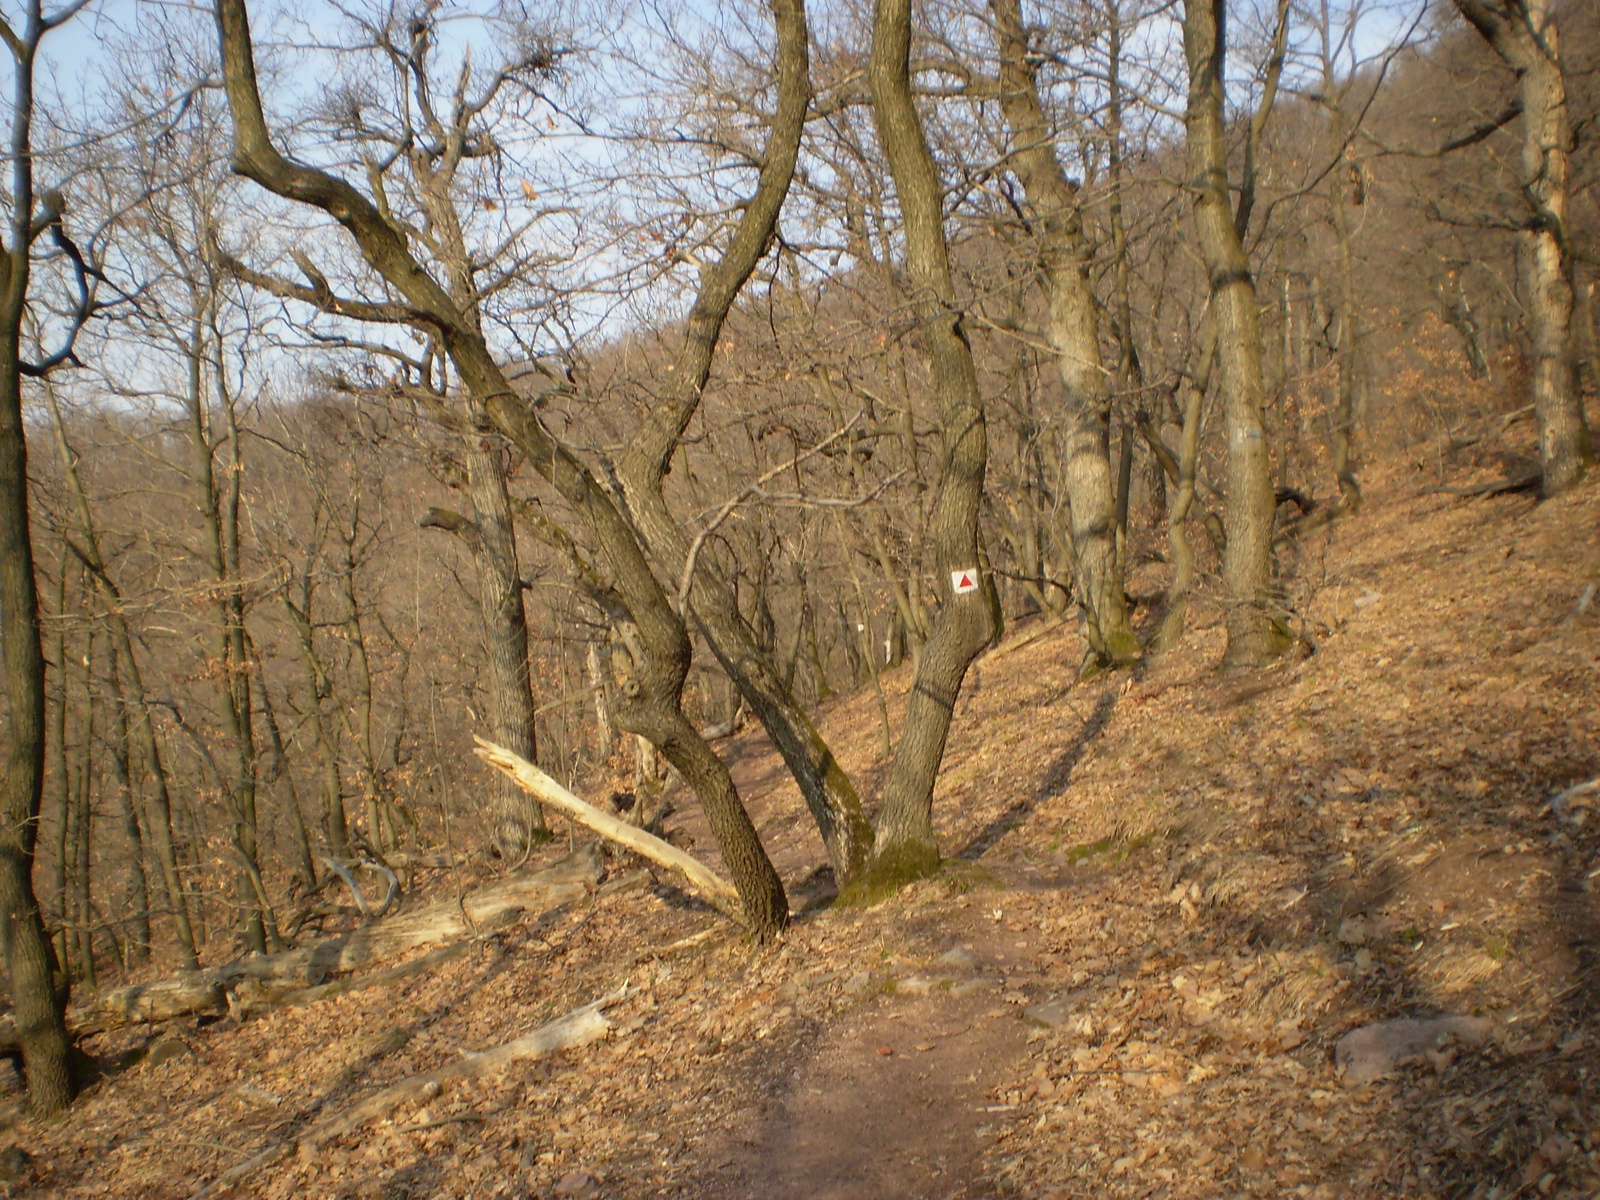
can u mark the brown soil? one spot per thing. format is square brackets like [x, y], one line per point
[1205, 881]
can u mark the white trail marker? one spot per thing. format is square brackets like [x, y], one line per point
[962, 582]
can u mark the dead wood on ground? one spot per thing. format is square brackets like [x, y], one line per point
[493, 906]
[577, 1028]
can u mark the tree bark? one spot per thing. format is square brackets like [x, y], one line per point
[1073, 333]
[1256, 631]
[80, 790]
[905, 844]
[1525, 34]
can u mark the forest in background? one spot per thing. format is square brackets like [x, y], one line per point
[298, 536]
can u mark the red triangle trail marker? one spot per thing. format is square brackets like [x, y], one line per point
[962, 582]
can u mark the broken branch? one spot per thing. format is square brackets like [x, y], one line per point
[715, 890]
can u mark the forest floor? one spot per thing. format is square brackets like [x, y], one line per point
[1169, 893]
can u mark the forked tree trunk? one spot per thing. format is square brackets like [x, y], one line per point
[1074, 335]
[1256, 631]
[905, 844]
[1525, 34]
[829, 792]
[650, 703]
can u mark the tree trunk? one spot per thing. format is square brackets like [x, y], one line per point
[1352, 368]
[159, 826]
[1525, 34]
[280, 776]
[1459, 316]
[217, 508]
[1256, 631]
[1074, 336]
[491, 537]
[335, 827]
[137, 898]
[356, 715]
[905, 844]
[31, 971]
[81, 789]
[829, 792]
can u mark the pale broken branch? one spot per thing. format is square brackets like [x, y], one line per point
[715, 890]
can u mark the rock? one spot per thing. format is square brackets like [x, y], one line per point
[1557, 1148]
[1354, 931]
[858, 982]
[971, 987]
[165, 1050]
[1373, 1051]
[255, 1095]
[578, 1185]
[14, 1162]
[914, 985]
[1052, 1014]
[960, 958]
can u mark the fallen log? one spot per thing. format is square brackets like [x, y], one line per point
[498, 904]
[714, 889]
[246, 1003]
[577, 1028]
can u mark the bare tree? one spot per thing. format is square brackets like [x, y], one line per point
[1526, 35]
[649, 702]
[39, 996]
[1073, 333]
[906, 845]
[832, 797]
[82, 536]
[1256, 632]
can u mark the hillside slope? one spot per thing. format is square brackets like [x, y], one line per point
[1170, 893]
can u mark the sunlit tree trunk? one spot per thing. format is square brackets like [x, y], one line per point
[905, 843]
[1074, 335]
[1525, 34]
[1256, 631]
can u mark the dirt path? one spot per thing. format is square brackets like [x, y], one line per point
[889, 1102]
